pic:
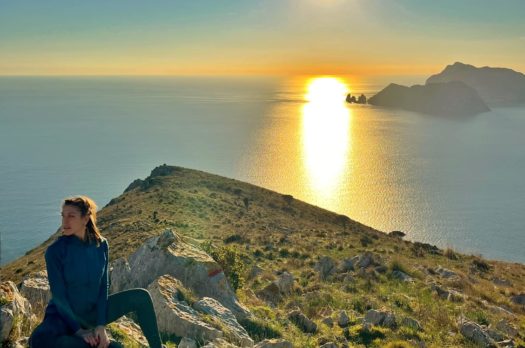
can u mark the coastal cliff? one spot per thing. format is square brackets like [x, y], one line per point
[236, 265]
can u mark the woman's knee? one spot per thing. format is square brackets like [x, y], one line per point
[142, 295]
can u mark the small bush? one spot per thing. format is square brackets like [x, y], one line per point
[234, 238]
[481, 265]
[230, 259]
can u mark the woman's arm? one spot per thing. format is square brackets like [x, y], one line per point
[57, 284]
[102, 302]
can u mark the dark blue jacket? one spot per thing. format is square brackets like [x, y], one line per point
[78, 278]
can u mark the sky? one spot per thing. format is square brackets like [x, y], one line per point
[267, 37]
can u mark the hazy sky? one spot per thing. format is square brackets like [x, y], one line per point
[361, 37]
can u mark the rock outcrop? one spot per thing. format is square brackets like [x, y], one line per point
[15, 311]
[168, 254]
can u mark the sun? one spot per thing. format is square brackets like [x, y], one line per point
[326, 90]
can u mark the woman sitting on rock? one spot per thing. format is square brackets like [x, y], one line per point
[77, 269]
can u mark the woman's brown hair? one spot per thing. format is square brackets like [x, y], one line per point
[87, 207]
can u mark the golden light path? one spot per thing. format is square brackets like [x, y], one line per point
[326, 136]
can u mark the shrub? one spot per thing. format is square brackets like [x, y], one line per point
[230, 259]
[481, 265]
[234, 238]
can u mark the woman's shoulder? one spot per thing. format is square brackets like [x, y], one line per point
[57, 245]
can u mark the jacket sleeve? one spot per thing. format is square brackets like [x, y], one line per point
[55, 275]
[102, 302]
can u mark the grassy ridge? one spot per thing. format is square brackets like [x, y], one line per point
[243, 225]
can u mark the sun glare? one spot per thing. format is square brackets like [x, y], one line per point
[325, 135]
[326, 90]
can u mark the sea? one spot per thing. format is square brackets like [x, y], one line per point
[452, 182]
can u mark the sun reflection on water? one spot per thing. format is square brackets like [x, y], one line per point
[326, 136]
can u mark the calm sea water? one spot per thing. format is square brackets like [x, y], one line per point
[453, 183]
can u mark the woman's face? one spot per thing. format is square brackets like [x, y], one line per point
[72, 221]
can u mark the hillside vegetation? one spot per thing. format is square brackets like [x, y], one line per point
[341, 269]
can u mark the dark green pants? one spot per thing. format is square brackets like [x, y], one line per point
[53, 331]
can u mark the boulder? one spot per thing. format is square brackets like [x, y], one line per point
[367, 259]
[234, 332]
[219, 343]
[302, 321]
[274, 343]
[450, 295]
[186, 342]
[35, 288]
[326, 267]
[518, 299]
[347, 264]
[445, 273]
[270, 293]
[13, 306]
[412, 323]
[343, 320]
[132, 330]
[168, 254]
[328, 321]
[285, 283]
[176, 317]
[476, 333]
[507, 328]
[501, 282]
[402, 276]
[380, 318]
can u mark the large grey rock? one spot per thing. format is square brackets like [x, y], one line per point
[15, 306]
[274, 343]
[35, 288]
[132, 331]
[186, 342]
[411, 323]
[219, 343]
[519, 299]
[176, 317]
[476, 333]
[507, 328]
[450, 294]
[234, 332]
[347, 264]
[168, 254]
[270, 293]
[445, 273]
[367, 259]
[380, 318]
[302, 321]
[343, 320]
[326, 267]
[285, 283]
[402, 276]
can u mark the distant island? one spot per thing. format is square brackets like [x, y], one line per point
[494, 85]
[459, 90]
[453, 98]
[230, 264]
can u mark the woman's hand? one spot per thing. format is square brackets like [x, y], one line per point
[101, 336]
[88, 336]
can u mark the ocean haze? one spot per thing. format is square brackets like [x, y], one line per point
[454, 183]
